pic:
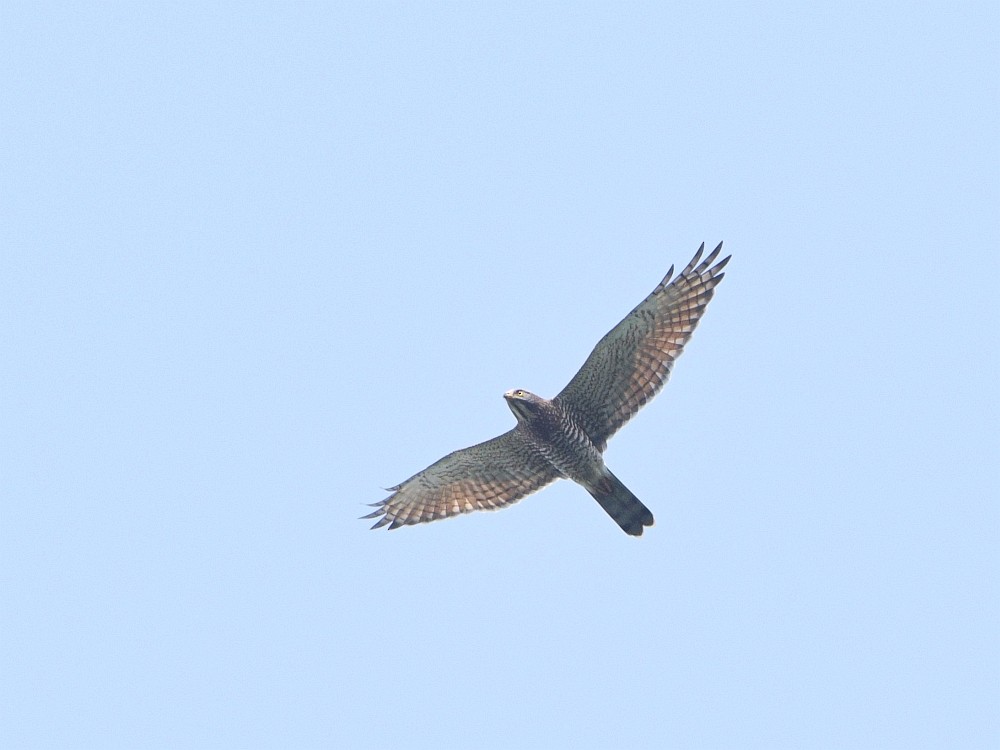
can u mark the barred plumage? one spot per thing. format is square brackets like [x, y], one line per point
[565, 437]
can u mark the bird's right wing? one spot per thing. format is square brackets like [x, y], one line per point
[486, 476]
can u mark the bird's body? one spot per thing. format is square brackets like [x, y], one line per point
[565, 437]
[553, 432]
[559, 437]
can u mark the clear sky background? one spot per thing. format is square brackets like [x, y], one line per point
[258, 261]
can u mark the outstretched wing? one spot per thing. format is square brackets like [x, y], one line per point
[487, 476]
[633, 361]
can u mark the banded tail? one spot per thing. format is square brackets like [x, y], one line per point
[619, 503]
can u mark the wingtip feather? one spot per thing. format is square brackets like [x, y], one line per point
[694, 261]
[710, 259]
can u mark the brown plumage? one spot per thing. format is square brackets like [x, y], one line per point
[566, 436]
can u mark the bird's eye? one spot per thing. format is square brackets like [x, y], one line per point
[518, 393]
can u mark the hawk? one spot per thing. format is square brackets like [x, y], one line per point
[565, 437]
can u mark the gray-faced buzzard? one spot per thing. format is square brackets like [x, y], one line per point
[565, 438]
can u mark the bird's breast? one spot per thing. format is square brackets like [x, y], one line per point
[564, 444]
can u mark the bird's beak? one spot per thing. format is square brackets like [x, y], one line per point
[509, 395]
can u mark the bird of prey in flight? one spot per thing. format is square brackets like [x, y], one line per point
[565, 437]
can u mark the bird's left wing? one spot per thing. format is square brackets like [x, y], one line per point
[486, 476]
[633, 361]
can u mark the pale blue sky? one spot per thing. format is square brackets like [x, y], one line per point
[261, 260]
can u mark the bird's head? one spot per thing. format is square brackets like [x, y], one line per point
[523, 403]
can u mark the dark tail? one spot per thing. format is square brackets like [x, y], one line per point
[619, 503]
